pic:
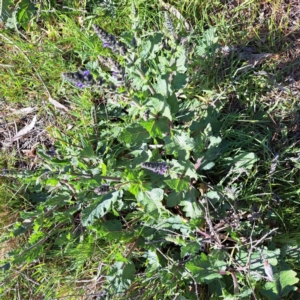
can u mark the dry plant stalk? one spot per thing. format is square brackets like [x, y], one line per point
[171, 9]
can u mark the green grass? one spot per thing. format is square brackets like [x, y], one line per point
[253, 117]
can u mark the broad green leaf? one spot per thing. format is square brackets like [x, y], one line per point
[283, 284]
[20, 230]
[179, 145]
[52, 181]
[104, 169]
[121, 276]
[177, 223]
[190, 204]
[162, 86]
[158, 106]
[156, 194]
[179, 81]
[59, 199]
[207, 165]
[257, 267]
[214, 141]
[152, 201]
[214, 197]
[99, 208]
[157, 128]
[179, 184]
[25, 12]
[184, 141]
[173, 103]
[141, 156]
[137, 80]
[181, 61]
[184, 167]
[217, 287]
[189, 249]
[151, 46]
[152, 261]
[134, 188]
[208, 44]
[243, 160]
[146, 48]
[112, 225]
[203, 270]
[287, 279]
[134, 134]
[87, 150]
[163, 64]
[173, 199]
[5, 10]
[60, 162]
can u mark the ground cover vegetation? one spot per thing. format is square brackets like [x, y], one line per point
[149, 150]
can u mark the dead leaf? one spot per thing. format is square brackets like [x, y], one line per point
[69, 126]
[25, 130]
[171, 9]
[57, 104]
[24, 111]
[203, 188]
[32, 152]
[29, 153]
